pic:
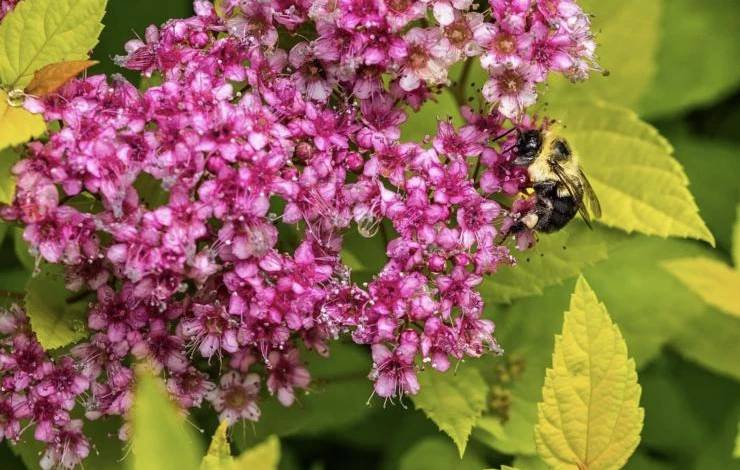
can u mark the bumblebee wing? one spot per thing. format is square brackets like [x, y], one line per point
[563, 177]
[590, 196]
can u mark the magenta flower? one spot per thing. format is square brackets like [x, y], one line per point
[13, 408]
[190, 387]
[67, 448]
[236, 397]
[393, 371]
[286, 373]
[212, 329]
[428, 57]
[210, 211]
[513, 87]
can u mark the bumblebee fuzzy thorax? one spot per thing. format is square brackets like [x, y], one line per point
[561, 188]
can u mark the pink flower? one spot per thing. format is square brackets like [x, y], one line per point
[512, 87]
[190, 387]
[211, 329]
[13, 408]
[393, 371]
[236, 397]
[286, 373]
[67, 448]
[444, 10]
[428, 57]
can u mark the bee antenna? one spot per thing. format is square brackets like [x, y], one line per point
[505, 133]
[508, 149]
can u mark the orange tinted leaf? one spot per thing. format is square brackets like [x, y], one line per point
[50, 78]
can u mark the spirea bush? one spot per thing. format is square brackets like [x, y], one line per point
[207, 225]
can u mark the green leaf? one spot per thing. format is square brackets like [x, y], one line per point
[627, 35]
[160, 437]
[530, 462]
[363, 254]
[688, 75]
[693, 400]
[526, 330]
[437, 453]
[736, 239]
[265, 456]
[3, 231]
[55, 321]
[736, 451]
[8, 158]
[710, 339]
[641, 460]
[712, 167]
[218, 455]
[514, 436]
[424, 123]
[713, 281]
[718, 453]
[339, 383]
[17, 126]
[556, 258]
[640, 185]
[14, 282]
[453, 400]
[42, 32]
[20, 246]
[589, 416]
[650, 305]
[650, 315]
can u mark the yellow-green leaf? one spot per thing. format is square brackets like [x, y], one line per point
[437, 453]
[736, 239]
[55, 321]
[16, 124]
[51, 77]
[627, 35]
[160, 438]
[7, 179]
[715, 282]
[264, 456]
[589, 416]
[42, 32]
[640, 185]
[453, 400]
[218, 456]
[736, 451]
[555, 258]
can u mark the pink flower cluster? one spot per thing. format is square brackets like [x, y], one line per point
[206, 214]
[37, 389]
[6, 6]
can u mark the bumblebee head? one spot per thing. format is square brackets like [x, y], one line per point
[527, 147]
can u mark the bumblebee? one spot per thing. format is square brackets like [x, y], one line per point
[561, 188]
